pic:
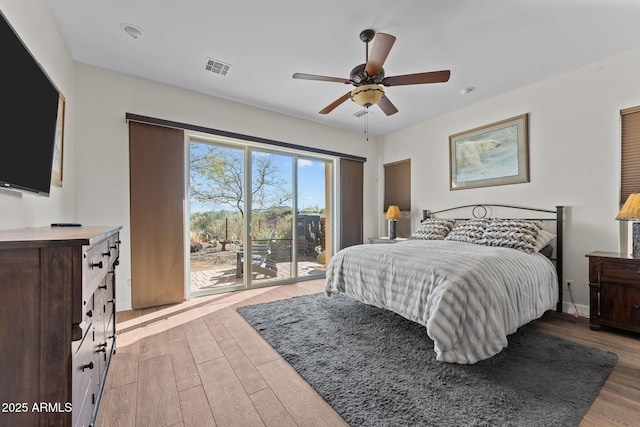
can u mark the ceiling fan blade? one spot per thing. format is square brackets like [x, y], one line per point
[386, 106]
[418, 78]
[335, 103]
[320, 78]
[382, 44]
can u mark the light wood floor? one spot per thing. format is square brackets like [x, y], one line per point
[200, 364]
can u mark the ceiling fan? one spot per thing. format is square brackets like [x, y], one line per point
[368, 78]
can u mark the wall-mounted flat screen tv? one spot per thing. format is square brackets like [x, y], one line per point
[28, 123]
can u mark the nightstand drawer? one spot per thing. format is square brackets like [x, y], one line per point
[620, 272]
[620, 305]
[614, 290]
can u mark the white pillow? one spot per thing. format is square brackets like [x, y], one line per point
[542, 239]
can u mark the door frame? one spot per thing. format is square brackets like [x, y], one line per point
[249, 147]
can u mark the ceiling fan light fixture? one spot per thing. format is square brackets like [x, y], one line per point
[367, 95]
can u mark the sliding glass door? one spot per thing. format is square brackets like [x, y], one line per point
[216, 217]
[313, 221]
[257, 216]
[272, 217]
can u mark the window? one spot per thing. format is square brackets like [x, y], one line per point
[629, 166]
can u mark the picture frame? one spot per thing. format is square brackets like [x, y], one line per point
[58, 150]
[495, 154]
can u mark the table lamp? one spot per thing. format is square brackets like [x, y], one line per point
[631, 212]
[393, 214]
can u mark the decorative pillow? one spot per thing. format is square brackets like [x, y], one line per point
[542, 239]
[547, 251]
[469, 231]
[512, 233]
[433, 229]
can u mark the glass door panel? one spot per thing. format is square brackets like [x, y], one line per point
[216, 211]
[313, 221]
[272, 215]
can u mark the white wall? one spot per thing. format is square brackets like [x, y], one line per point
[574, 154]
[95, 187]
[102, 185]
[574, 145]
[32, 21]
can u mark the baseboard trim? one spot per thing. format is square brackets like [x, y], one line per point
[569, 307]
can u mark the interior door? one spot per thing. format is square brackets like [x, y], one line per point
[156, 168]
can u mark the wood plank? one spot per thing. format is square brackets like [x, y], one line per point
[158, 403]
[125, 369]
[256, 349]
[184, 367]
[195, 408]
[201, 342]
[217, 328]
[299, 399]
[229, 402]
[245, 370]
[118, 406]
[153, 345]
[271, 410]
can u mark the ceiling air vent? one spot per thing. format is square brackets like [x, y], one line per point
[361, 113]
[217, 67]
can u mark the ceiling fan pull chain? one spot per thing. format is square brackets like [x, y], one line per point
[366, 123]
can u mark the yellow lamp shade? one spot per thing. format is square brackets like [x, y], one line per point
[367, 95]
[631, 209]
[393, 213]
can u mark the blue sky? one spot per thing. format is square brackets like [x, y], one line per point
[311, 185]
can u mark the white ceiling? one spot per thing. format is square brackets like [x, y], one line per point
[493, 45]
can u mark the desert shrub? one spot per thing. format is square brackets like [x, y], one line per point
[195, 246]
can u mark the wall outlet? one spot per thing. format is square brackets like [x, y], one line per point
[569, 282]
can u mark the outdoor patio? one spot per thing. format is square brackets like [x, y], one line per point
[225, 275]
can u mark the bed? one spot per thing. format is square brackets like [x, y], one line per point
[470, 289]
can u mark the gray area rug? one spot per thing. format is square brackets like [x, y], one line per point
[376, 368]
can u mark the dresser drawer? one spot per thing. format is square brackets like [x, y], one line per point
[85, 381]
[620, 272]
[114, 249]
[95, 266]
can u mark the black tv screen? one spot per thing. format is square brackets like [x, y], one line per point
[28, 123]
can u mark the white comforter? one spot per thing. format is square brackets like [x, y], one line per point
[470, 297]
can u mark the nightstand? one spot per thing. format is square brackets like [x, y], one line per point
[614, 285]
[386, 240]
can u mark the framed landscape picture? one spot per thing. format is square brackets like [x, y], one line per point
[495, 154]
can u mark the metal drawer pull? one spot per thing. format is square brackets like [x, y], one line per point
[108, 253]
[87, 366]
[96, 265]
[89, 313]
[638, 271]
[102, 286]
[635, 306]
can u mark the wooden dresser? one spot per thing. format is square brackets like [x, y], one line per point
[614, 285]
[57, 323]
